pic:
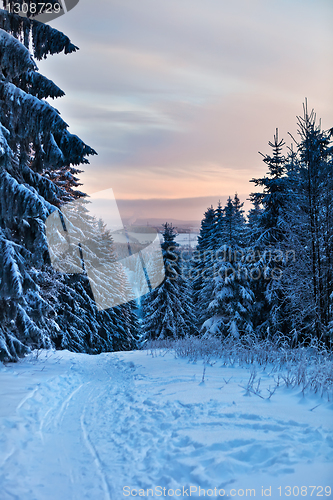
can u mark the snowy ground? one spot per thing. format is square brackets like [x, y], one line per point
[187, 239]
[120, 425]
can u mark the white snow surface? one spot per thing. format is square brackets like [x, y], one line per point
[129, 424]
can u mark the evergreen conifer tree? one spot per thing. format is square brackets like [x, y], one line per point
[168, 310]
[226, 300]
[294, 228]
[254, 216]
[39, 162]
[269, 316]
[307, 281]
[203, 258]
[219, 226]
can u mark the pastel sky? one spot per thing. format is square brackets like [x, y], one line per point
[178, 96]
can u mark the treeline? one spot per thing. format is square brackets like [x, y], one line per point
[256, 276]
[270, 272]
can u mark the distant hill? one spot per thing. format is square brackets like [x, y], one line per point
[182, 212]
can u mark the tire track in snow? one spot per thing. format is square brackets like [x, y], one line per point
[59, 416]
[57, 419]
[53, 436]
[7, 457]
[97, 461]
[65, 404]
[29, 396]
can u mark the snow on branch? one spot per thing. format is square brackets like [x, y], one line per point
[45, 39]
[38, 85]
[74, 149]
[14, 57]
[26, 114]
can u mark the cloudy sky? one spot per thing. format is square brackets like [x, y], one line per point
[178, 96]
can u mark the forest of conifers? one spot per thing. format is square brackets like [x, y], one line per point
[268, 273]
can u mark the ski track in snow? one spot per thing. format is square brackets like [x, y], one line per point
[99, 423]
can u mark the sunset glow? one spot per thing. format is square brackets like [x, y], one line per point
[178, 97]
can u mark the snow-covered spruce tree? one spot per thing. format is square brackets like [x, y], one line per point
[226, 301]
[114, 325]
[255, 265]
[218, 231]
[254, 216]
[268, 243]
[203, 262]
[121, 322]
[168, 310]
[38, 168]
[307, 281]
[203, 256]
[213, 236]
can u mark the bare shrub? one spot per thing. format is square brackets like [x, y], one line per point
[309, 367]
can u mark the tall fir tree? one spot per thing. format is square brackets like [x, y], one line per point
[219, 226]
[307, 281]
[203, 256]
[293, 235]
[269, 316]
[39, 162]
[226, 300]
[168, 309]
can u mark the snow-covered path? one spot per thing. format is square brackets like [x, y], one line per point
[112, 426]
